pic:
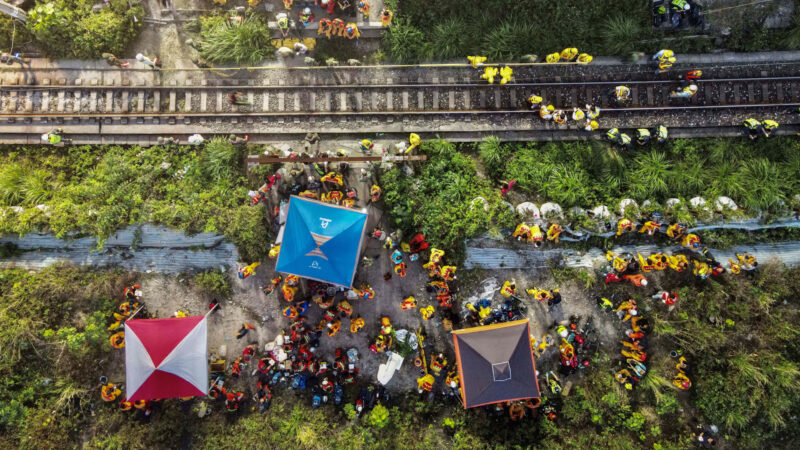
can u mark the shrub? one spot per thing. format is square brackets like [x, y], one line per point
[225, 41]
[619, 34]
[70, 28]
[406, 43]
[215, 282]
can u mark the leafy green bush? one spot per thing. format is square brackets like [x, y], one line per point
[226, 41]
[215, 282]
[405, 42]
[98, 190]
[69, 28]
[442, 201]
[378, 417]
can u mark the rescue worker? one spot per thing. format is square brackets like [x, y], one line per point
[246, 271]
[661, 54]
[553, 57]
[364, 8]
[509, 288]
[569, 54]
[112, 60]
[666, 297]
[624, 140]
[577, 114]
[701, 270]
[637, 280]
[747, 261]
[584, 58]
[366, 146]
[680, 6]
[154, 63]
[356, 324]
[642, 136]
[676, 231]
[386, 18]
[408, 303]
[438, 363]
[768, 126]
[109, 392]
[613, 135]
[650, 227]
[539, 294]
[622, 94]
[591, 125]
[427, 312]
[546, 112]
[506, 73]
[678, 263]
[338, 27]
[592, 112]
[662, 134]
[559, 117]
[117, 340]
[425, 383]
[691, 241]
[334, 327]
[516, 411]
[55, 138]
[344, 308]
[535, 100]
[325, 27]
[691, 77]
[489, 73]
[625, 226]
[682, 382]
[686, 92]
[554, 232]
[476, 61]
[237, 98]
[753, 127]
[283, 23]
[351, 31]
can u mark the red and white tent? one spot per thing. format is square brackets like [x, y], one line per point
[166, 358]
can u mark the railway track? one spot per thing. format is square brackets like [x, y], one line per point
[354, 105]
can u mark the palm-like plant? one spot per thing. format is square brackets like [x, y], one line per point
[449, 39]
[36, 188]
[12, 176]
[406, 43]
[245, 42]
[619, 34]
[761, 184]
[650, 175]
[494, 155]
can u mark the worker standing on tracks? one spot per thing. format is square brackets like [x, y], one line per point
[55, 138]
[552, 58]
[692, 77]
[237, 98]
[592, 112]
[662, 134]
[283, 23]
[535, 100]
[663, 54]
[578, 114]
[546, 112]
[154, 63]
[624, 140]
[591, 125]
[642, 136]
[686, 92]
[559, 117]
[569, 54]
[112, 60]
[584, 58]
[768, 126]
[613, 135]
[476, 61]
[622, 94]
[665, 64]
[386, 17]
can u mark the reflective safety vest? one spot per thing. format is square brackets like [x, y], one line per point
[54, 138]
[769, 124]
[752, 124]
[592, 125]
[585, 58]
[553, 58]
[643, 133]
[679, 4]
[662, 132]
[622, 91]
[624, 139]
[612, 133]
[569, 53]
[535, 99]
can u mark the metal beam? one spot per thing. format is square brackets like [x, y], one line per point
[13, 11]
[256, 160]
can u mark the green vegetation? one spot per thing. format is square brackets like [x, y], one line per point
[759, 177]
[226, 41]
[71, 29]
[503, 29]
[215, 282]
[98, 190]
[445, 201]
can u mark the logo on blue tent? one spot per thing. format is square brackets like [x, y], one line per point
[321, 241]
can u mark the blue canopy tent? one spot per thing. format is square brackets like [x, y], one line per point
[321, 241]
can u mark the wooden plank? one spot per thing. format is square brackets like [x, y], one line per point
[275, 159]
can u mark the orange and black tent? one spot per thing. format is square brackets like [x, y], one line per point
[495, 363]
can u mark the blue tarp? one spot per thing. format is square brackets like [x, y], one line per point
[321, 241]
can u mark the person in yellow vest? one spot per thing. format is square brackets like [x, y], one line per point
[619, 264]
[546, 111]
[386, 17]
[489, 73]
[539, 294]
[591, 125]
[569, 54]
[344, 308]
[691, 241]
[622, 93]
[351, 31]
[125, 405]
[414, 141]
[537, 236]
[448, 273]
[274, 251]
[678, 263]
[476, 61]
[408, 303]
[584, 58]
[356, 324]
[625, 226]
[659, 261]
[554, 232]
[427, 312]
[747, 261]
[736, 268]
[334, 327]
[676, 231]
[534, 100]
[506, 73]
[109, 392]
[577, 114]
[509, 288]
[701, 270]
[438, 363]
[288, 292]
[523, 233]
[553, 58]
[117, 339]
[425, 383]
[650, 227]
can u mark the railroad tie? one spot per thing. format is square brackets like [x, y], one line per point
[61, 101]
[76, 103]
[140, 102]
[343, 101]
[281, 102]
[172, 102]
[420, 101]
[156, 101]
[265, 101]
[751, 94]
[29, 102]
[326, 102]
[312, 101]
[359, 101]
[93, 101]
[405, 100]
[45, 101]
[125, 101]
[203, 101]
